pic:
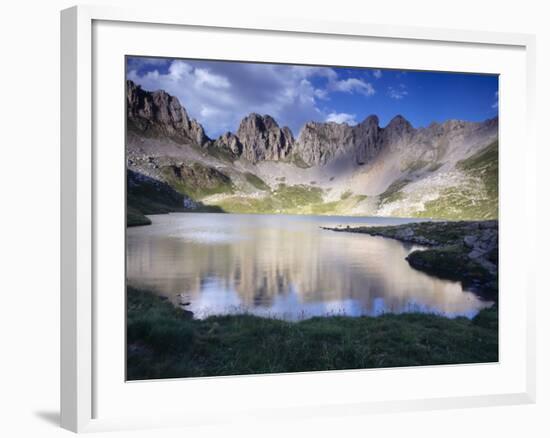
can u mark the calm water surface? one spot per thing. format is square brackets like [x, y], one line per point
[284, 267]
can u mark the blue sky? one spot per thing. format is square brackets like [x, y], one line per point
[220, 93]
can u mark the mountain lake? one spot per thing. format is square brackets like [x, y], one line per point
[285, 267]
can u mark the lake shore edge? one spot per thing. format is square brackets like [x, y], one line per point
[465, 251]
[164, 341]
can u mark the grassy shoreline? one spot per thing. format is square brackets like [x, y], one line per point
[167, 342]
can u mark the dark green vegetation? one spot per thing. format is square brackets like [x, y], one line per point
[256, 181]
[164, 341]
[465, 251]
[135, 218]
[146, 195]
[453, 263]
[197, 181]
[393, 192]
[346, 195]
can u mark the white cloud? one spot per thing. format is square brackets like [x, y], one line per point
[177, 70]
[398, 92]
[377, 74]
[342, 118]
[321, 94]
[352, 85]
[205, 77]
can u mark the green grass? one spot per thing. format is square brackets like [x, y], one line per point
[197, 181]
[146, 195]
[484, 160]
[342, 207]
[298, 195]
[475, 199]
[393, 192]
[297, 199]
[165, 342]
[462, 203]
[484, 165]
[256, 181]
[221, 154]
[465, 202]
[346, 195]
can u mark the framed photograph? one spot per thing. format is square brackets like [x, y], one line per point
[253, 208]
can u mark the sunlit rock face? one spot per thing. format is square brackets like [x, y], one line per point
[319, 143]
[229, 142]
[263, 139]
[158, 113]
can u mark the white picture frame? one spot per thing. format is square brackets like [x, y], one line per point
[83, 370]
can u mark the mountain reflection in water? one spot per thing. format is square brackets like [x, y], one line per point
[284, 267]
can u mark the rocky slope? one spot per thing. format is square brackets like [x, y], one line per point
[446, 170]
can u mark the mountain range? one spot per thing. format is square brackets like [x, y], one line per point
[446, 170]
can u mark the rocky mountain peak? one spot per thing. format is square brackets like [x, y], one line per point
[231, 142]
[263, 139]
[319, 142]
[398, 131]
[367, 140]
[259, 137]
[371, 120]
[399, 124]
[158, 113]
